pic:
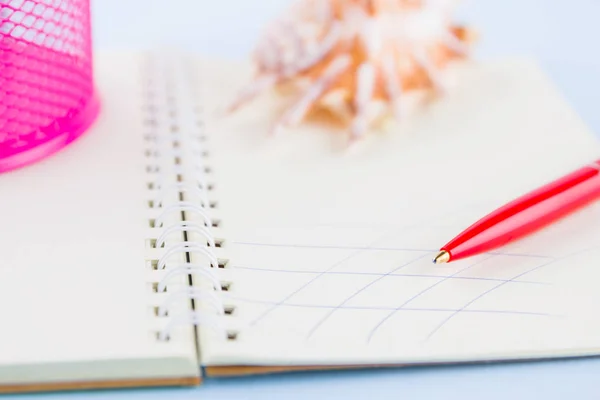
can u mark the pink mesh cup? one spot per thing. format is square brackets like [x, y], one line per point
[47, 94]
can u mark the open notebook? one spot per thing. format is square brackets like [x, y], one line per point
[172, 241]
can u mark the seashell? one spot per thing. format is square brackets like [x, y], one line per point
[356, 59]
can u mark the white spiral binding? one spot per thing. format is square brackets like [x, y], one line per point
[193, 293]
[196, 319]
[186, 269]
[186, 248]
[184, 226]
[183, 206]
[183, 187]
[161, 147]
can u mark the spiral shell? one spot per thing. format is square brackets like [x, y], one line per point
[350, 55]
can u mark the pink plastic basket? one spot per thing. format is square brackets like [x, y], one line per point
[47, 94]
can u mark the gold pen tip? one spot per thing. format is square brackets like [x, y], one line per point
[442, 257]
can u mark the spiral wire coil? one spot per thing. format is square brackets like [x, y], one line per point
[171, 217]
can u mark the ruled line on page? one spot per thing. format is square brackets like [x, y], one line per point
[298, 271]
[373, 248]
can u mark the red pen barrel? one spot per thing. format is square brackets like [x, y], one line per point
[528, 213]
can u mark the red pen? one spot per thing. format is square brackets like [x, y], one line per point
[525, 214]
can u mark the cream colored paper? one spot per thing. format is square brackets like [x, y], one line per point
[76, 302]
[330, 251]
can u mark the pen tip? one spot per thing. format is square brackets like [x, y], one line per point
[442, 257]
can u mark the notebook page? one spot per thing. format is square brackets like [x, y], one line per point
[75, 292]
[330, 251]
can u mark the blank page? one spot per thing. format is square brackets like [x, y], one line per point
[76, 294]
[330, 250]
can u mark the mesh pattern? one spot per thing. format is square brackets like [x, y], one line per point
[47, 95]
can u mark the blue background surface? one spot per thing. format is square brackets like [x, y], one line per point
[562, 35]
